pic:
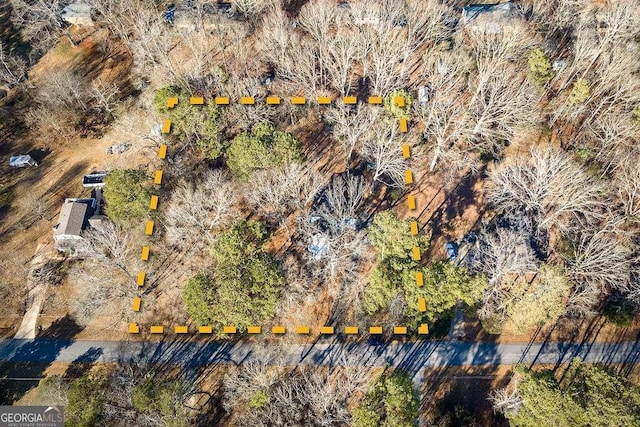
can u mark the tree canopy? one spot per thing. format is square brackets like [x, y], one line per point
[263, 147]
[126, 195]
[391, 402]
[395, 273]
[197, 124]
[244, 285]
[587, 396]
[86, 398]
[162, 397]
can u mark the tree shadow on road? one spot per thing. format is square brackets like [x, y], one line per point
[31, 358]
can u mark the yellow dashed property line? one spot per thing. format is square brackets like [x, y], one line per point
[148, 228]
[157, 329]
[157, 177]
[406, 151]
[303, 330]
[375, 330]
[403, 126]
[326, 330]
[134, 328]
[140, 278]
[408, 177]
[162, 151]
[411, 204]
[276, 100]
[166, 126]
[153, 203]
[413, 225]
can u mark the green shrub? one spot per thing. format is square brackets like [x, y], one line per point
[259, 400]
[126, 194]
[393, 109]
[195, 123]
[619, 313]
[391, 401]
[539, 67]
[86, 399]
[580, 92]
[244, 285]
[162, 397]
[263, 147]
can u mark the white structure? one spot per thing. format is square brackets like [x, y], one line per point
[74, 217]
[318, 246]
[22, 161]
[489, 18]
[94, 180]
[78, 14]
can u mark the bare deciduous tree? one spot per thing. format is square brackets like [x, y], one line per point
[196, 211]
[507, 252]
[279, 192]
[40, 22]
[13, 69]
[105, 277]
[600, 262]
[311, 396]
[549, 186]
[507, 400]
[383, 150]
[627, 185]
[351, 125]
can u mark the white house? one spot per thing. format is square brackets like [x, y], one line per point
[489, 18]
[74, 217]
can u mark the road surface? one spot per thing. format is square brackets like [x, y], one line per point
[409, 356]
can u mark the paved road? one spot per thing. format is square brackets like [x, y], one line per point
[409, 356]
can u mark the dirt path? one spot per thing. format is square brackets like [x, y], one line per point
[37, 294]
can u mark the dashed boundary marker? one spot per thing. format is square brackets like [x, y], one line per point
[403, 124]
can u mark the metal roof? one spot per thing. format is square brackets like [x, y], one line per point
[71, 219]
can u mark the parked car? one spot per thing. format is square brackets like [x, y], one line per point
[22, 161]
[117, 149]
[452, 250]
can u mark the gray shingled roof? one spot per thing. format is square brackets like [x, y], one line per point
[71, 220]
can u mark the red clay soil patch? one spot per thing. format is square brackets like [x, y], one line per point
[446, 214]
